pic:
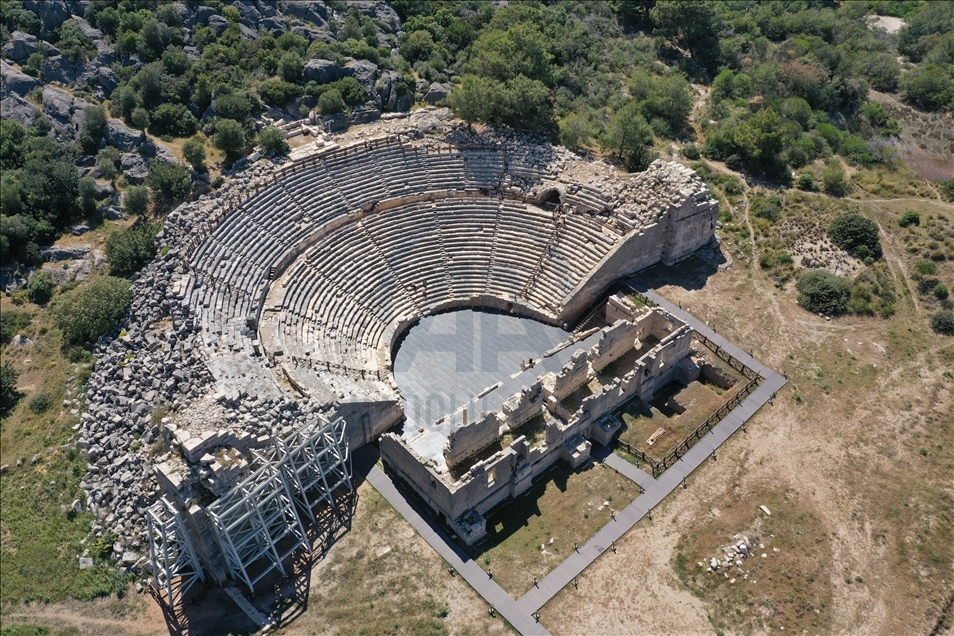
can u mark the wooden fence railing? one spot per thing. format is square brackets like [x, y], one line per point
[659, 466]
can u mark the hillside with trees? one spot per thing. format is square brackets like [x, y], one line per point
[823, 127]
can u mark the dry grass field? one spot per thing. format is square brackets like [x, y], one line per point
[855, 460]
[533, 534]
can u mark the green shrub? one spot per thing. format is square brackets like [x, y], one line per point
[106, 166]
[946, 189]
[852, 231]
[173, 119]
[24, 630]
[278, 93]
[833, 179]
[194, 152]
[927, 268]
[911, 217]
[139, 118]
[9, 396]
[169, 181]
[11, 322]
[41, 287]
[41, 403]
[331, 102]
[821, 292]
[691, 151]
[92, 309]
[272, 140]
[769, 208]
[940, 291]
[136, 200]
[229, 137]
[128, 249]
[943, 322]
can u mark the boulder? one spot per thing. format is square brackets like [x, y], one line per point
[365, 113]
[202, 14]
[57, 104]
[218, 24]
[57, 253]
[379, 10]
[426, 122]
[248, 32]
[21, 46]
[322, 71]
[58, 69]
[365, 72]
[88, 29]
[311, 34]
[107, 79]
[437, 93]
[134, 168]
[79, 112]
[165, 155]
[392, 98]
[20, 340]
[14, 82]
[274, 26]
[314, 12]
[52, 13]
[186, 14]
[112, 213]
[121, 136]
[18, 109]
[267, 8]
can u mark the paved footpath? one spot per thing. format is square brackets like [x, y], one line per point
[519, 613]
[655, 490]
[447, 548]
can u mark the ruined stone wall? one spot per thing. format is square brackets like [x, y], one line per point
[633, 253]
[573, 375]
[524, 405]
[469, 439]
[616, 341]
[691, 226]
[619, 307]
[368, 418]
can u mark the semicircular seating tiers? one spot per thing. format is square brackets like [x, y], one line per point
[323, 261]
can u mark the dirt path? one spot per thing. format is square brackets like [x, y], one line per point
[893, 258]
[132, 615]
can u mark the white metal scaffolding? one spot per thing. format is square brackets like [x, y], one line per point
[174, 561]
[257, 524]
[315, 461]
[252, 519]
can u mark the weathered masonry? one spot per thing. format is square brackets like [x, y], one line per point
[549, 417]
[300, 277]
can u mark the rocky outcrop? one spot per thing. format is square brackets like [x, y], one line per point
[394, 95]
[21, 46]
[437, 93]
[14, 82]
[134, 168]
[18, 109]
[58, 105]
[314, 12]
[364, 71]
[322, 71]
[119, 135]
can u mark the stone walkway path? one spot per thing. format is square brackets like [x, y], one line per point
[364, 464]
[520, 613]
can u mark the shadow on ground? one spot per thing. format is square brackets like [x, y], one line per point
[207, 609]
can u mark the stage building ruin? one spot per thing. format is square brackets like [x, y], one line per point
[566, 399]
